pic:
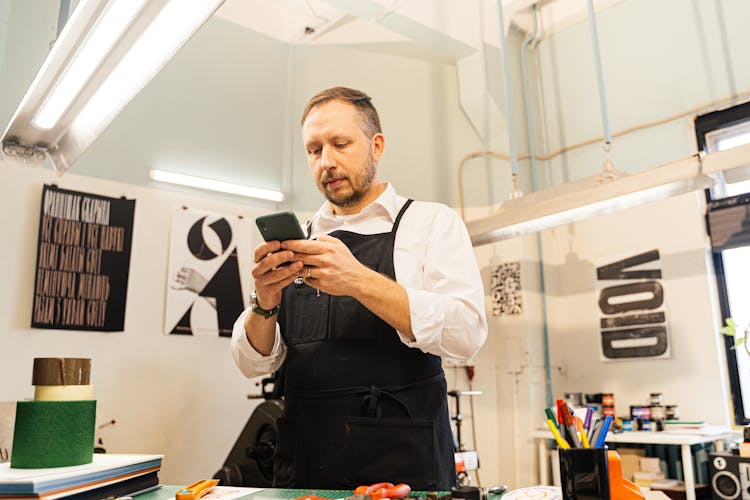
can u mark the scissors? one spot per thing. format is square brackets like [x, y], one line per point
[378, 491]
[196, 490]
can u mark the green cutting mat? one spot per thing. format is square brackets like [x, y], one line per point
[286, 494]
[167, 492]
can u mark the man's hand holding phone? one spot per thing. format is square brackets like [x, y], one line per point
[275, 268]
[270, 275]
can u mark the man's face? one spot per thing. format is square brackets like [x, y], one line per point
[342, 159]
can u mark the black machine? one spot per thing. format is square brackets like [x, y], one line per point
[250, 462]
[730, 476]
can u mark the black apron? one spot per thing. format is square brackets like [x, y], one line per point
[361, 407]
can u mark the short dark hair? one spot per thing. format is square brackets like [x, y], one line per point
[370, 121]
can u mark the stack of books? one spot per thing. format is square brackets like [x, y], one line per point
[108, 475]
[682, 425]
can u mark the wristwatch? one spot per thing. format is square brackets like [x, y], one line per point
[266, 313]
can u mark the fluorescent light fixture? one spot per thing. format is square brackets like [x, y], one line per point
[98, 42]
[587, 197]
[214, 185]
[106, 53]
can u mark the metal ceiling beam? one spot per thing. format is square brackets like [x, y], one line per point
[419, 33]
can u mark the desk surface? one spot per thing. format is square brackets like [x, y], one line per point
[167, 492]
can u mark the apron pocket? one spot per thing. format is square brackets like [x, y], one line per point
[284, 456]
[389, 449]
[306, 316]
[352, 320]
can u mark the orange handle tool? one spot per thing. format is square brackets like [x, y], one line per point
[379, 491]
[196, 490]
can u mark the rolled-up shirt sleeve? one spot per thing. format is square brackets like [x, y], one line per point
[248, 360]
[447, 311]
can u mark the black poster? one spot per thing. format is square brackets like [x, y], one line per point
[82, 261]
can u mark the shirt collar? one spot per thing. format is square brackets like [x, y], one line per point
[386, 203]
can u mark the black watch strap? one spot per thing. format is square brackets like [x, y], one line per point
[266, 313]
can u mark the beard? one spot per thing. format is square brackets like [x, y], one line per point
[360, 185]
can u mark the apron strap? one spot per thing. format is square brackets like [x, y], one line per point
[400, 214]
[372, 396]
[371, 402]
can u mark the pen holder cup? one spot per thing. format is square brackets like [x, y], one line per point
[584, 473]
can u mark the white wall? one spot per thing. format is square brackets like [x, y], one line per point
[694, 376]
[660, 60]
[425, 130]
[177, 395]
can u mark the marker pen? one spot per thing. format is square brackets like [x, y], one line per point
[603, 434]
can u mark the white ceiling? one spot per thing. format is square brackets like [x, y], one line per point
[450, 28]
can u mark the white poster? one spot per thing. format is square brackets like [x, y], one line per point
[632, 312]
[209, 281]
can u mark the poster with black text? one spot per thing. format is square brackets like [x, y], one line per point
[82, 262]
[210, 259]
[632, 310]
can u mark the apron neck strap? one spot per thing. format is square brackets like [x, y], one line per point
[400, 214]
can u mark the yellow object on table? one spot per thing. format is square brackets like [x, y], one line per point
[196, 490]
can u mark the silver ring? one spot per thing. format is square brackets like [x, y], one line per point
[309, 271]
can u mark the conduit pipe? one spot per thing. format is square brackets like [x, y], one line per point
[599, 74]
[527, 103]
[532, 154]
[692, 113]
[516, 193]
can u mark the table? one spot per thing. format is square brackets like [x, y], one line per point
[645, 437]
[167, 492]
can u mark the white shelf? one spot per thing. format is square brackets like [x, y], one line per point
[712, 433]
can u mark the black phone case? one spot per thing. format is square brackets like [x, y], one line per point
[280, 226]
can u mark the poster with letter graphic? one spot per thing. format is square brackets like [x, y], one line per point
[632, 312]
[210, 260]
[82, 261]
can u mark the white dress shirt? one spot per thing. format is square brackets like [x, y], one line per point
[433, 260]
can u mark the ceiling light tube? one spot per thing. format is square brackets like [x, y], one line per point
[587, 197]
[156, 45]
[106, 53]
[107, 30]
[215, 185]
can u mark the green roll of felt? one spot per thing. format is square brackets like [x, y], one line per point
[53, 434]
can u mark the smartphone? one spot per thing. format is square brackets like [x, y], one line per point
[280, 226]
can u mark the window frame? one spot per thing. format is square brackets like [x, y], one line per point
[723, 118]
[704, 125]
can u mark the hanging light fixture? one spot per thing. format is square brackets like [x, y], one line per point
[606, 192]
[106, 53]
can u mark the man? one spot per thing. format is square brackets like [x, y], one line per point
[361, 316]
